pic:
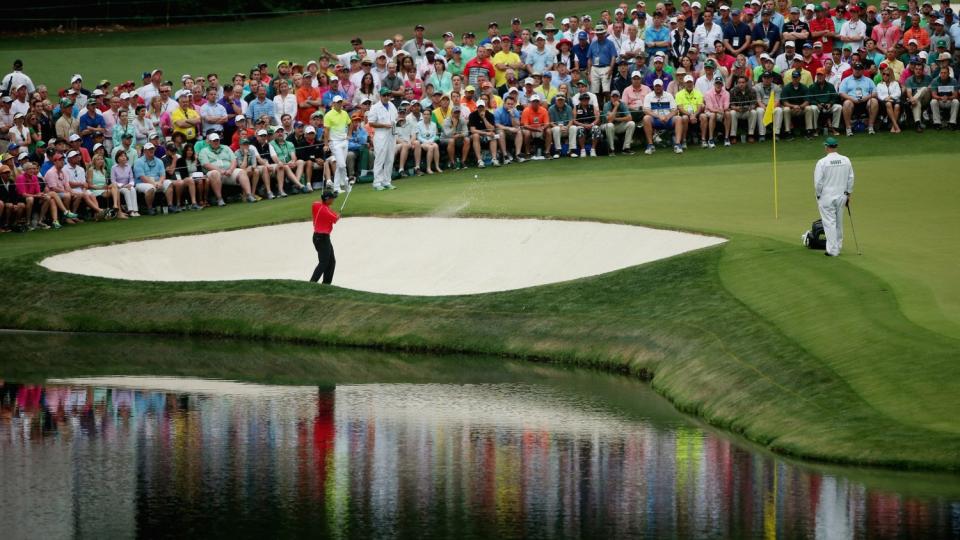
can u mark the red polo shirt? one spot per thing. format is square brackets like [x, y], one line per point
[323, 218]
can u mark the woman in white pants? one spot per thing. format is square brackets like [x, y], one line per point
[122, 176]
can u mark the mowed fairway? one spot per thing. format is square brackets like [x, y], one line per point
[852, 359]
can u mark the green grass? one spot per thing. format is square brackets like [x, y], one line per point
[851, 360]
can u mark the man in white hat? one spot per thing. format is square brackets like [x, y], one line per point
[336, 135]
[220, 165]
[382, 117]
[660, 113]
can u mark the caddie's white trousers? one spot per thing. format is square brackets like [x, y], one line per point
[384, 151]
[831, 214]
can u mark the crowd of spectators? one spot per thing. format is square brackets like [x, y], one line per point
[667, 75]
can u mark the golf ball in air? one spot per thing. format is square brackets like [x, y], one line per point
[476, 176]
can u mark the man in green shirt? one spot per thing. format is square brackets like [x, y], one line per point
[561, 118]
[825, 101]
[917, 93]
[795, 104]
[617, 120]
[221, 167]
[283, 153]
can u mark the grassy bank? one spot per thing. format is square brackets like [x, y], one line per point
[851, 360]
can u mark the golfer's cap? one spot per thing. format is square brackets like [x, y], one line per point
[831, 142]
[148, 146]
[658, 82]
[636, 74]
[535, 97]
[96, 147]
[23, 156]
[310, 129]
[943, 56]
[196, 175]
[73, 138]
[73, 153]
[327, 195]
[75, 78]
[262, 133]
[470, 88]
[213, 137]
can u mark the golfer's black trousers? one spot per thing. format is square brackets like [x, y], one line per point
[326, 262]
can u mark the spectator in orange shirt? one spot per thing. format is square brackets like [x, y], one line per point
[536, 125]
[308, 98]
[917, 33]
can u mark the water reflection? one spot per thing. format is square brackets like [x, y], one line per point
[120, 457]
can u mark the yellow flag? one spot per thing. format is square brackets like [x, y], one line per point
[768, 113]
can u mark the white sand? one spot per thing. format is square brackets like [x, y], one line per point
[413, 256]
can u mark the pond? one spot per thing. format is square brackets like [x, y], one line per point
[123, 436]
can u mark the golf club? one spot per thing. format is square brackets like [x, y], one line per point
[347, 198]
[852, 228]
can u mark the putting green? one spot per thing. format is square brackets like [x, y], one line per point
[851, 360]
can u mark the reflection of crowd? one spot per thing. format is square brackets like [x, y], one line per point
[677, 74]
[338, 452]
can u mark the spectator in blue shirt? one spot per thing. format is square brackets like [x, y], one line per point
[601, 55]
[261, 106]
[657, 36]
[581, 49]
[859, 96]
[91, 122]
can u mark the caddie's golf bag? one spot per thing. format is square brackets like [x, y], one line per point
[815, 238]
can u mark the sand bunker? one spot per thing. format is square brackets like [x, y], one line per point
[413, 256]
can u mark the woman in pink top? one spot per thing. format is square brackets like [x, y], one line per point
[28, 186]
[716, 105]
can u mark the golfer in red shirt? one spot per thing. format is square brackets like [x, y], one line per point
[323, 220]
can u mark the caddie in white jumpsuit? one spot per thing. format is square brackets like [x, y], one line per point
[336, 137]
[382, 117]
[833, 184]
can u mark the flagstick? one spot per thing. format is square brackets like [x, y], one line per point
[776, 197]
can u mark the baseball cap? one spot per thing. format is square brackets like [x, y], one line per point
[327, 195]
[535, 97]
[470, 88]
[686, 79]
[262, 132]
[213, 137]
[658, 82]
[96, 147]
[767, 74]
[18, 115]
[75, 78]
[73, 153]
[601, 29]
[239, 118]
[636, 74]
[943, 56]
[717, 79]
[337, 99]
[384, 91]
[831, 142]
[796, 74]
[790, 44]
[858, 65]
[148, 146]
[73, 138]
[529, 80]
[310, 129]
[23, 156]
[583, 35]
[479, 104]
